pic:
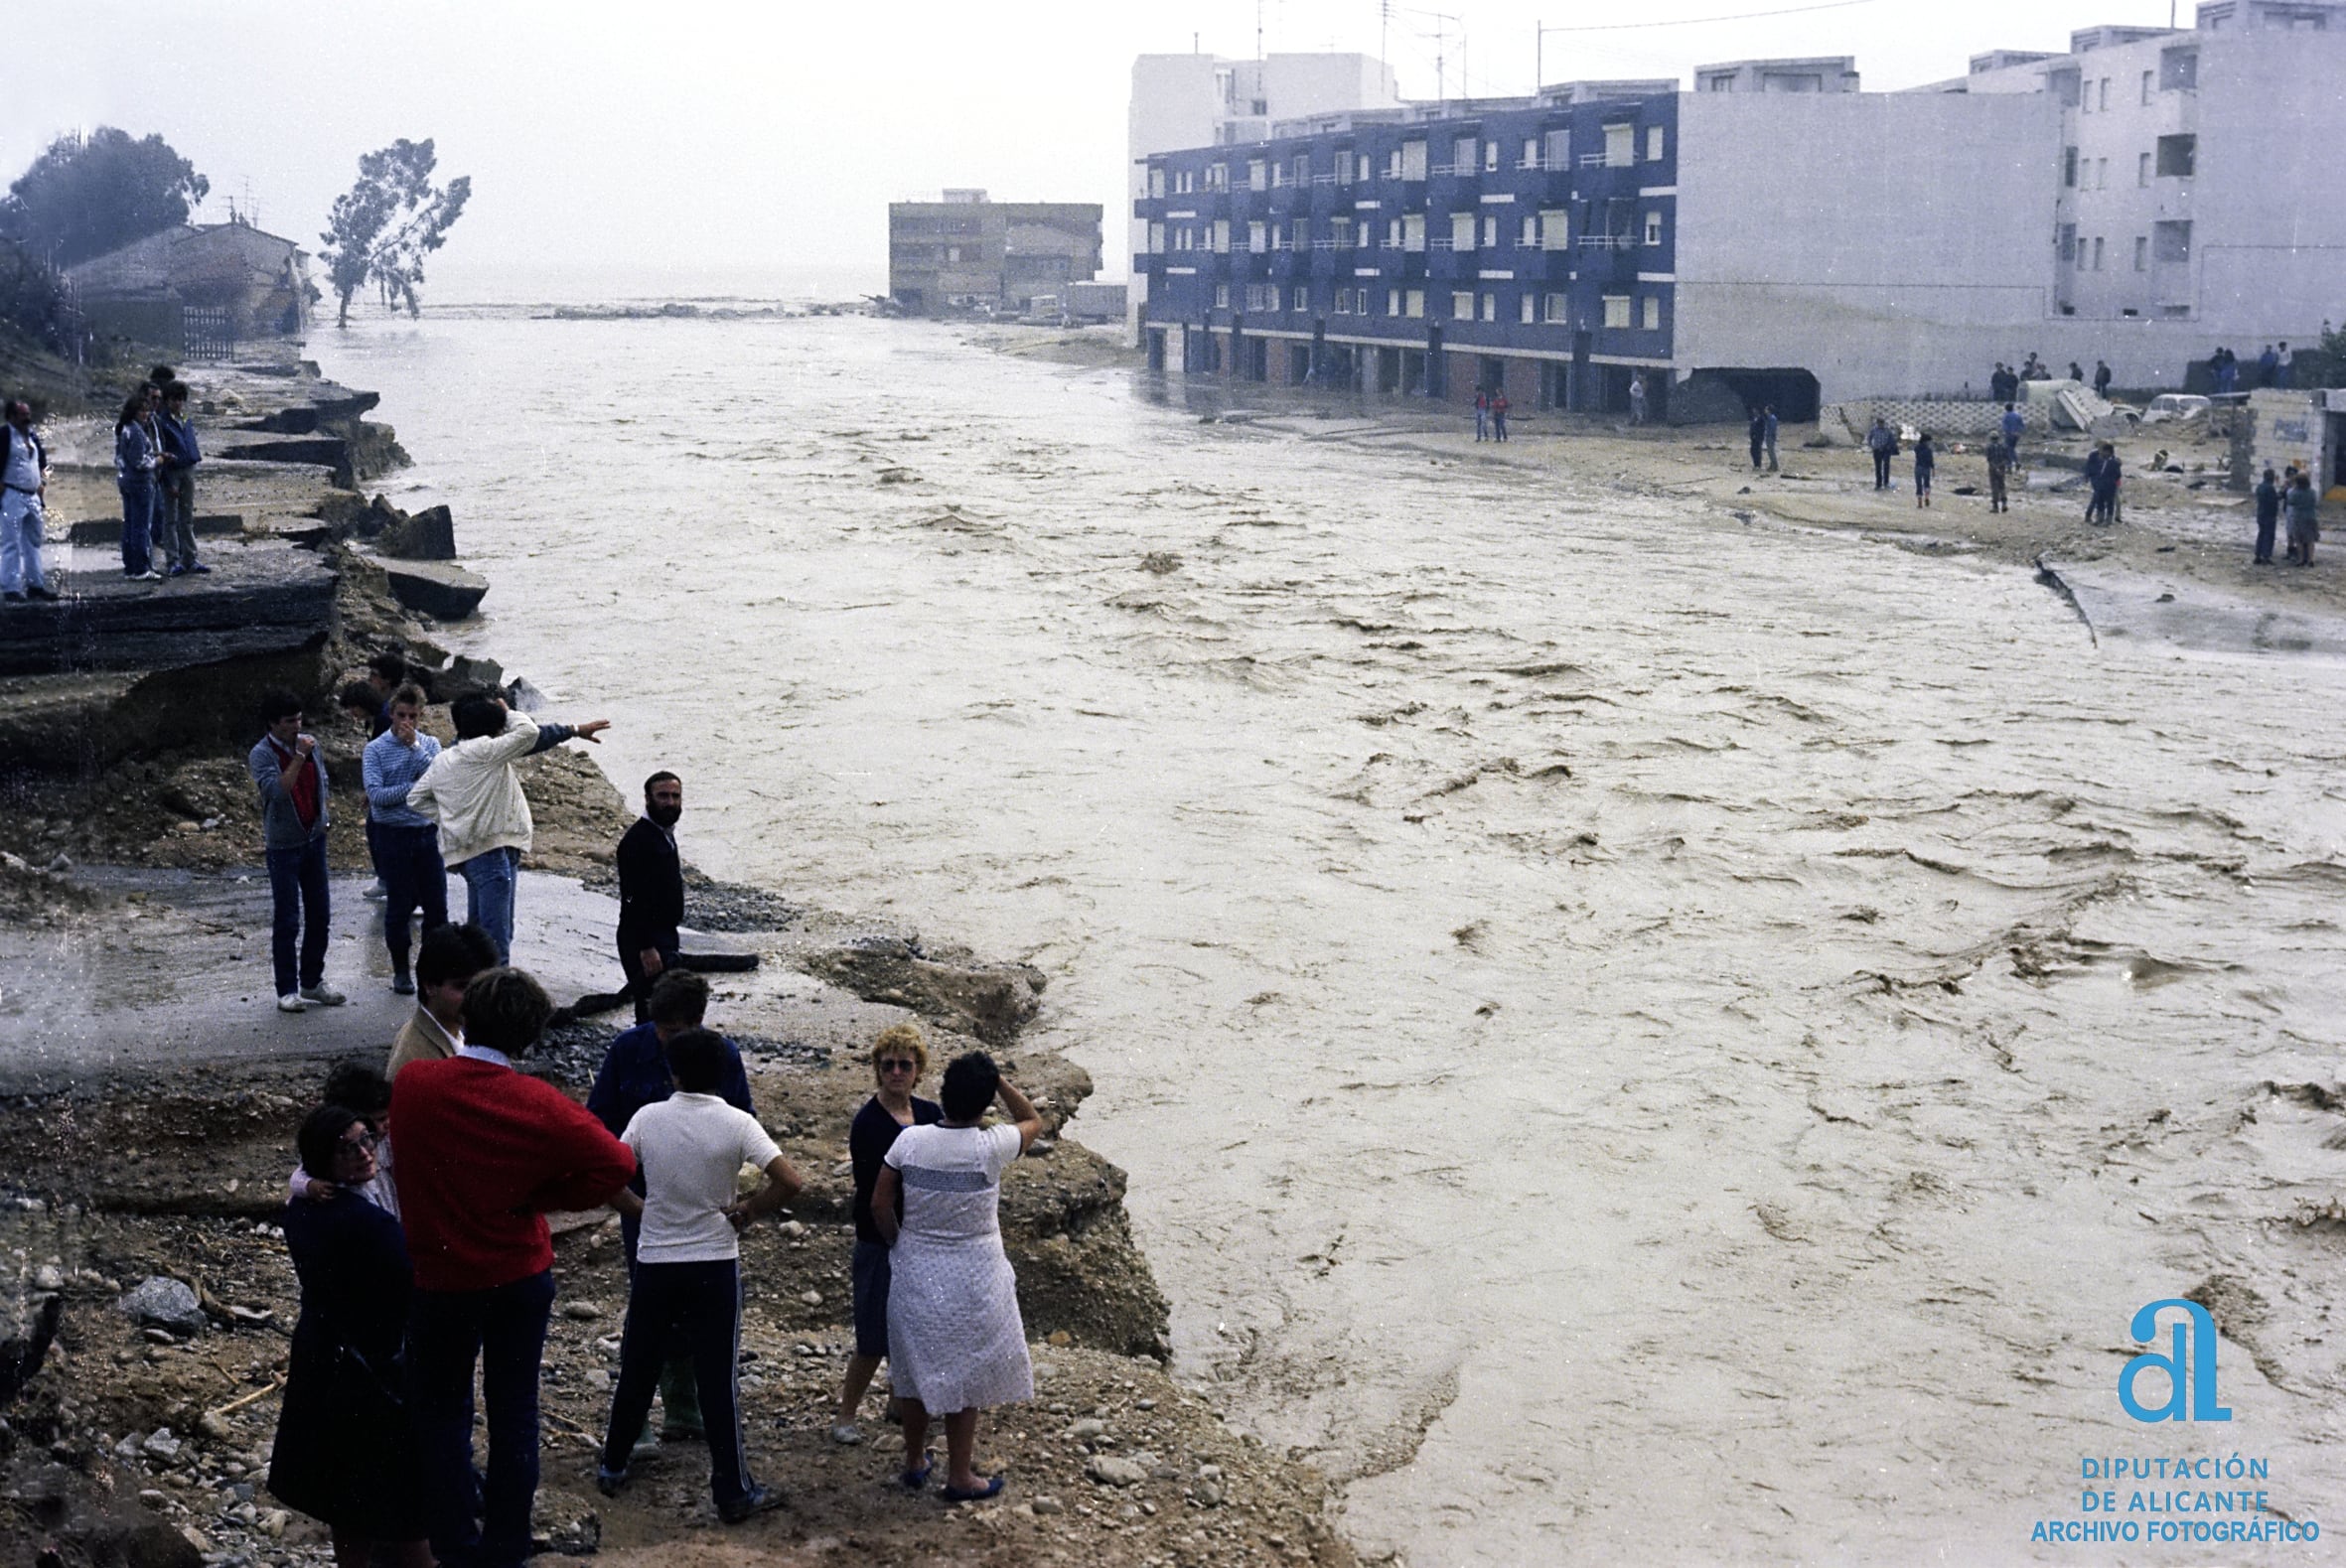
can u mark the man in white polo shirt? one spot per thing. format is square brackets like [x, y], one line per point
[690, 1148]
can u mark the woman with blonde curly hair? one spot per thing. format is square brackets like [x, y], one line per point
[899, 1057]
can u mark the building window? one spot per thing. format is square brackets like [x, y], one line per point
[1364, 169]
[1413, 303]
[1339, 233]
[1555, 230]
[1616, 310]
[2101, 100]
[1222, 296]
[1414, 232]
[2097, 252]
[1221, 237]
[2101, 174]
[1490, 307]
[1392, 233]
[1653, 228]
[2081, 254]
[1559, 149]
[1303, 168]
[1530, 157]
[1462, 159]
[1257, 175]
[1412, 160]
[1462, 307]
[1490, 156]
[1654, 142]
[2068, 242]
[2069, 167]
[1462, 231]
[2178, 156]
[1392, 302]
[2178, 71]
[1559, 309]
[1302, 299]
[1620, 146]
[1156, 182]
[1652, 309]
[2149, 78]
[1528, 238]
[2142, 252]
[1525, 305]
[2143, 169]
[1490, 230]
[1344, 302]
[2171, 242]
[1156, 239]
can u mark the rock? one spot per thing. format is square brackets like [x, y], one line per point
[436, 588]
[991, 1001]
[28, 1324]
[1110, 1471]
[1061, 1339]
[160, 1444]
[161, 1303]
[331, 453]
[213, 1426]
[1210, 1494]
[427, 535]
[812, 1298]
[792, 1229]
[581, 1311]
[1086, 1430]
[1048, 1505]
[467, 673]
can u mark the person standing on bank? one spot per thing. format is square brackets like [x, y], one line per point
[1768, 419]
[485, 1152]
[635, 1074]
[1926, 464]
[1499, 407]
[1757, 431]
[135, 460]
[2101, 379]
[690, 1150]
[1999, 463]
[2268, 517]
[1882, 442]
[24, 517]
[899, 1057]
[446, 960]
[345, 1453]
[1637, 398]
[176, 481]
[955, 1342]
[1482, 413]
[2305, 509]
[2012, 424]
[472, 790]
[291, 779]
[406, 843]
[650, 890]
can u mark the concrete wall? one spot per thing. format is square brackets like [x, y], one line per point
[1886, 242]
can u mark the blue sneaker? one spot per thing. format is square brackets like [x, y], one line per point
[200, 569]
[179, 571]
[608, 1482]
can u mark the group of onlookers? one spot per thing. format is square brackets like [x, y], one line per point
[2003, 382]
[2292, 492]
[418, 1273]
[1490, 413]
[2276, 367]
[430, 808]
[156, 454]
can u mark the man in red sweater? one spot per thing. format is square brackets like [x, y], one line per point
[483, 1153]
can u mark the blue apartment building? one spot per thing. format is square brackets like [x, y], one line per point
[1523, 244]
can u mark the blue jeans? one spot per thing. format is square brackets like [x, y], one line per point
[504, 1330]
[138, 523]
[409, 861]
[488, 880]
[22, 527]
[703, 1301]
[297, 888]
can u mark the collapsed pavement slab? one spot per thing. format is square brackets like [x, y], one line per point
[259, 598]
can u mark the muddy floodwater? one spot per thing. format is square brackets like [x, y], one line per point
[1637, 1036]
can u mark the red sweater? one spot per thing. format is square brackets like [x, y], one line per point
[483, 1152]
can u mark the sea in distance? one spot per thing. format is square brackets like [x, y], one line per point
[1637, 1036]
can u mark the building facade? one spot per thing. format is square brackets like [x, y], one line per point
[1206, 100]
[965, 252]
[197, 289]
[1776, 233]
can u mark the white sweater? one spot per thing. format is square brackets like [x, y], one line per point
[473, 793]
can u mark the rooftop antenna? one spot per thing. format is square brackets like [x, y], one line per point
[1259, 4]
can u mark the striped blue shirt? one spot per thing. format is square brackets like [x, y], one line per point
[389, 770]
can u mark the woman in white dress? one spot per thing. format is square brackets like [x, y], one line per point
[955, 1342]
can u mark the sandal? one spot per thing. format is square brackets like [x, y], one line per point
[914, 1480]
[992, 1488]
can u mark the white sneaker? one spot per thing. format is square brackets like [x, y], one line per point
[291, 1002]
[148, 576]
[324, 995]
[846, 1434]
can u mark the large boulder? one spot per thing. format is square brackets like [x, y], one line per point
[435, 588]
[991, 1001]
[159, 1302]
[426, 535]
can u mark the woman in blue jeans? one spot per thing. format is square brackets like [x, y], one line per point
[136, 456]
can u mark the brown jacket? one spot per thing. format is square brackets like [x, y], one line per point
[420, 1039]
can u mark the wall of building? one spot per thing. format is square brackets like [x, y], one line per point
[1922, 240]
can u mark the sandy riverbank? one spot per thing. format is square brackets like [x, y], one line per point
[151, 1093]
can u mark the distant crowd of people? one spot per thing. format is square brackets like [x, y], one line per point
[156, 454]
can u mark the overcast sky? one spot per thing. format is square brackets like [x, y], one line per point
[756, 143]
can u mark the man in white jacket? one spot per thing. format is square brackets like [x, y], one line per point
[473, 793]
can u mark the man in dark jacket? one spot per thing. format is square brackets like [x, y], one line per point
[1758, 431]
[650, 889]
[2268, 516]
[290, 776]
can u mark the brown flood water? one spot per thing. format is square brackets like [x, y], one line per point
[1637, 1038]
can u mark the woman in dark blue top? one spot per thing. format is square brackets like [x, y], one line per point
[899, 1057]
[343, 1453]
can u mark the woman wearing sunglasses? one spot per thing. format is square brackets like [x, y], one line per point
[899, 1057]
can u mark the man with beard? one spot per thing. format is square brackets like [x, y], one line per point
[650, 890]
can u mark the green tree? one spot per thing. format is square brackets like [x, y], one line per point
[381, 228]
[87, 195]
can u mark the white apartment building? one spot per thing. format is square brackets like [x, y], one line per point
[1205, 100]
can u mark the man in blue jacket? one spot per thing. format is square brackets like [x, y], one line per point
[291, 777]
[176, 474]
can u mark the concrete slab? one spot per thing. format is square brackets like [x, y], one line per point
[259, 598]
